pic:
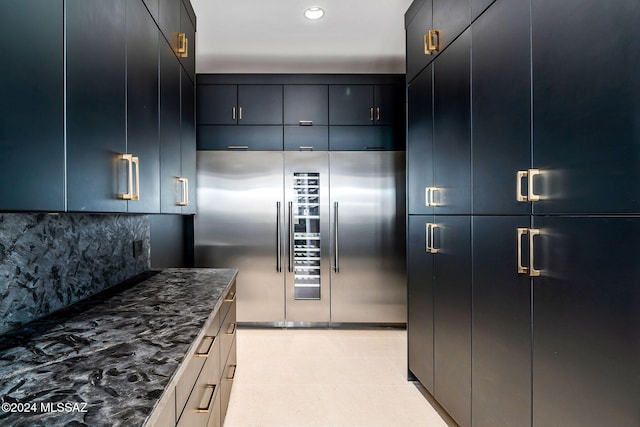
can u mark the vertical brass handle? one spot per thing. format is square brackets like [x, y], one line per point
[129, 194]
[184, 200]
[231, 329]
[532, 270]
[278, 240]
[240, 113]
[430, 244]
[183, 49]
[205, 353]
[291, 248]
[521, 232]
[427, 196]
[378, 113]
[427, 233]
[519, 176]
[206, 409]
[233, 113]
[532, 196]
[233, 373]
[426, 45]
[371, 113]
[434, 250]
[136, 161]
[434, 41]
[335, 235]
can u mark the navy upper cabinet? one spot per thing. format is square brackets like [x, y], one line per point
[32, 107]
[142, 107]
[450, 18]
[306, 105]
[585, 134]
[351, 105]
[418, 22]
[96, 105]
[389, 105]
[259, 105]
[217, 104]
[186, 40]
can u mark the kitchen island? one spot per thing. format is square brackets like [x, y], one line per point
[118, 357]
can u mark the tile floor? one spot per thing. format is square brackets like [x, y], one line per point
[325, 378]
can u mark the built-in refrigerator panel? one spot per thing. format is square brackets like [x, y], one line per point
[308, 290]
[368, 275]
[240, 224]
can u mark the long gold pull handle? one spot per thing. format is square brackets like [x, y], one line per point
[240, 113]
[427, 234]
[206, 409]
[533, 197]
[371, 113]
[519, 176]
[278, 240]
[231, 297]
[183, 49]
[335, 235]
[231, 329]
[233, 113]
[434, 46]
[129, 194]
[184, 200]
[291, 237]
[233, 373]
[205, 353]
[136, 161]
[521, 232]
[238, 147]
[426, 45]
[378, 113]
[532, 270]
[434, 250]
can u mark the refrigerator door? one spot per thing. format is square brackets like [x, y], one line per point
[240, 224]
[308, 291]
[368, 277]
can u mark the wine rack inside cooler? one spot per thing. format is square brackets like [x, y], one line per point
[306, 235]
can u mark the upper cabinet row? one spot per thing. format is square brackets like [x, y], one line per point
[100, 114]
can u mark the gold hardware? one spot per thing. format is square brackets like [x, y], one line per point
[429, 196]
[430, 245]
[521, 232]
[240, 113]
[185, 192]
[183, 45]
[207, 408]
[427, 247]
[238, 147]
[232, 328]
[533, 197]
[205, 353]
[136, 161]
[434, 250]
[378, 113]
[305, 122]
[233, 113]
[130, 195]
[230, 378]
[532, 270]
[371, 113]
[519, 176]
[434, 46]
[426, 45]
[231, 297]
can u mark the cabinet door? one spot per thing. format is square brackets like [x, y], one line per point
[452, 316]
[479, 6]
[217, 104]
[452, 128]
[32, 107]
[153, 7]
[315, 138]
[363, 138]
[420, 142]
[501, 105]
[420, 301]
[417, 28]
[170, 152]
[389, 105]
[306, 103]
[254, 138]
[586, 354]
[450, 18]
[351, 105]
[188, 139]
[586, 123]
[501, 378]
[142, 105]
[96, 105]
[188, 28]
[260, 104]
[169, 20]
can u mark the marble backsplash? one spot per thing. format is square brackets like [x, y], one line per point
[49, 261]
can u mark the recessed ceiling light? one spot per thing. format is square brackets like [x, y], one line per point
[314, 13]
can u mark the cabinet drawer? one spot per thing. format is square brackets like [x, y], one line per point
[302, 138]
[228, 301]
[167, 416]
[207, 351]
[201, 400]
[257, 138]
[227, 334]
[227, 381]
[215, 418]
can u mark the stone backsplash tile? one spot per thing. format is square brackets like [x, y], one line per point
[50, 261]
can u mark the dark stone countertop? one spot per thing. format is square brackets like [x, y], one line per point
[107, 360]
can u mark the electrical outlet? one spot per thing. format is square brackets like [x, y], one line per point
[137, 248]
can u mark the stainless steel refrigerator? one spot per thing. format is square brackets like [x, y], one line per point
[318, 237]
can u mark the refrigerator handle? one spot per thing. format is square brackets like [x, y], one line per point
[290, 237]
[278, 240]
[335, 236]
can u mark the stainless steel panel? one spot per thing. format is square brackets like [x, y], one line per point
[306, 305]
[236, 226]
[370, 285]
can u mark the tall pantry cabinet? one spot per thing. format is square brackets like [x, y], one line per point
[551, 302]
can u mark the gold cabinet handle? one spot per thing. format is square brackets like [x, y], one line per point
[233, 113]
[206, 353]
[238, 147]
[240, 113]
[231, 329]
[371, 113]
[232, 369]
[378, 113]
[427, 233]
[531, 195]
[521, 232]
[519, 177]
[532, 270]
[129, 194]
[434, 250]
[430, 244]
[136, 161]
[434, 41]
[184, 201]
[429, 196]
[206, 409]
[426, 45]
[183, 45]
[231, 297]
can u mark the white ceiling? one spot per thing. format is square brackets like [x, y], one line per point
[273, 36]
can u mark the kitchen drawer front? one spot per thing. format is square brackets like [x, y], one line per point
[207, 351]
[215, 418]
[365, 138]
[255, 138]
[227, 334]
[306, 138]
[227, 381]
[201, 400]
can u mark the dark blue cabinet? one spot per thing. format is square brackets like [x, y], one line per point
[418, 22]
[32, 108]
[306, 105]
[188, 143]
